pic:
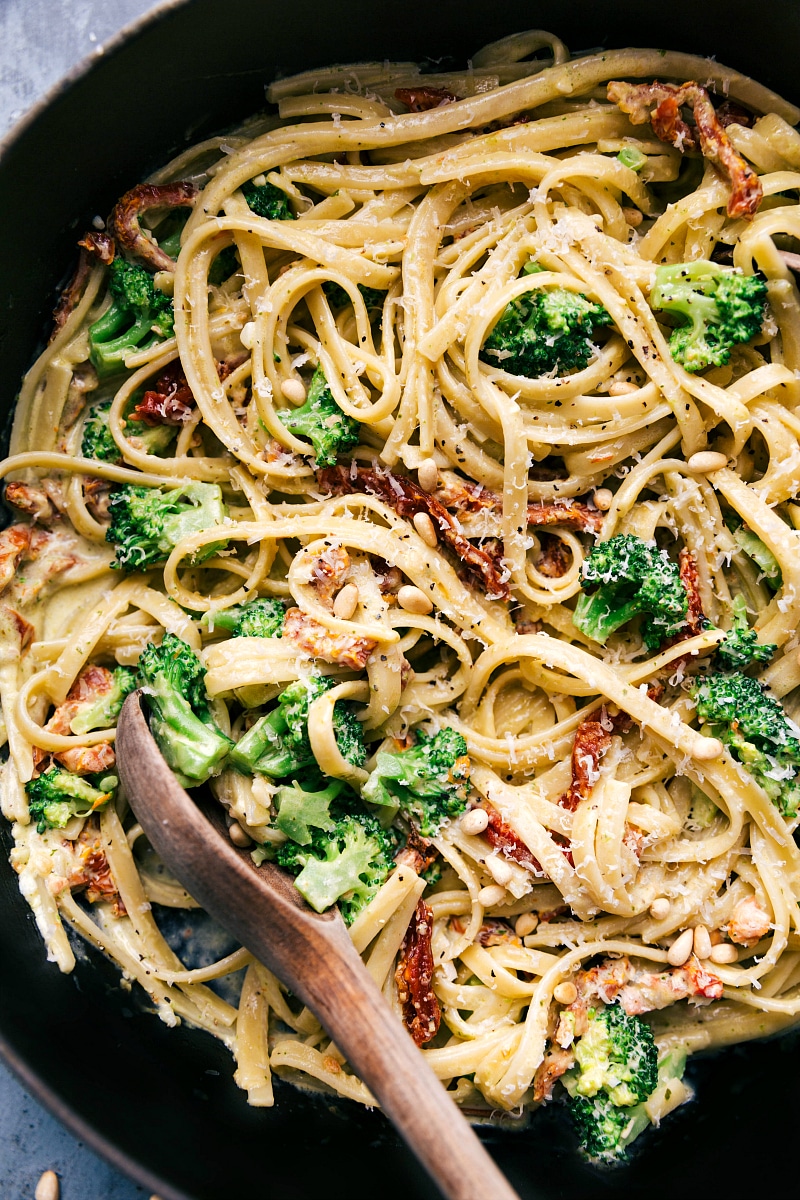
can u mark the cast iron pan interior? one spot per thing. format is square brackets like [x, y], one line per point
[158, 1102]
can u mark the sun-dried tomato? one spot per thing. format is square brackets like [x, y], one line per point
[414, 976]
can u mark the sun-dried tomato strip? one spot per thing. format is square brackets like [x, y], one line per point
[31, 500]
[90, 686]
[124, 220]
[661, 103]
[473, 498]
[414, 976]
[92, 870]
[171, 401]
[500, 835]
[731, 113]
[93, 246]
[316, 639]
[638, 989]
[555, 558]
[99, 245]
[554, 1064]
[696, 620]
[15, 631]
[418, 853]
[592, 739]
[422, 99]
[87, 760]
[15, 541]
[407, 498]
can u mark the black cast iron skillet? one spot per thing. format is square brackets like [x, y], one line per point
[161, 1103]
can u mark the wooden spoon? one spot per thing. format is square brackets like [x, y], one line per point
[312, 954]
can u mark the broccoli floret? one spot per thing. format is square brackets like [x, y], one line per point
[139, 317]
[320, 419]
[349, 734]
[428, 781]
[259, 618]
[98, 442]
[301, 811]
[600, 1126]
[616, 1070]
[544, 332]
[268, 201]
[741, 647]
[345, 863]
[103, 712]
[147, 523]
[719, 306]
[616, 1055]
[624, 578]
[173, 678]
[278, 744]
[58, 795]
[338, 297]
[739, 711]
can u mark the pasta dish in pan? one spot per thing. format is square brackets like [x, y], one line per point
[428, 451]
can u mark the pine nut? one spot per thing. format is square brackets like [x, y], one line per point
[48, 1187]
[681, 949]
[622, 387]
[660, 908]
[346, 602]
[500, 870]
[165, 282]
[707, 460]
[603, 499]
[565, 993]
[491, 895]
[702, 942]
[248, 335]
[238, 836]
[292, 389]
[633, 217]
[526, 924]
[413, 600]
[425, 528]
[475, 821]
[427, 474]
[724, 953]
[707, 748]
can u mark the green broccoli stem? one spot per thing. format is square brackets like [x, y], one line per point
[108, 355]
[195, 751]
[594, 617]
[262, 749]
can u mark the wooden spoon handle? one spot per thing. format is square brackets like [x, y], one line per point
[353, 1012]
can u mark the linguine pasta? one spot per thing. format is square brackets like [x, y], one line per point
[613, 825]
